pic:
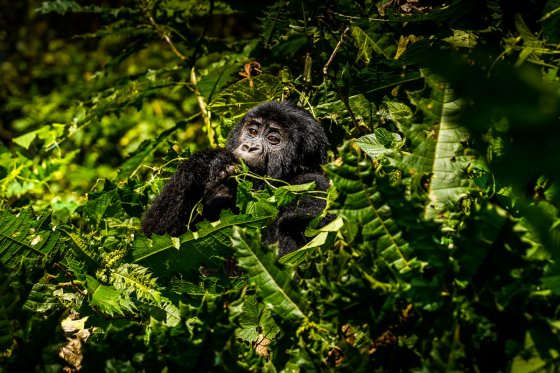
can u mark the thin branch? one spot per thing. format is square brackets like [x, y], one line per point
[163, 33]
[331, 58]
[332, 79]
[203, 110]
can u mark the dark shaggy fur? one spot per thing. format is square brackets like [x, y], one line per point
[295, 152]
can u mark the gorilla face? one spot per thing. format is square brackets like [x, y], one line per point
[259, 140]
[280, 140]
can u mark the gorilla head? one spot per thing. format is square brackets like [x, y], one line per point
[279, 140]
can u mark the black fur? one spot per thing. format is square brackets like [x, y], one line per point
[295, 152]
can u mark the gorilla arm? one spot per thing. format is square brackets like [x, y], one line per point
[203, 178]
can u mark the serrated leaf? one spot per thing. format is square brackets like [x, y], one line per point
[361, 204]
[135, 278]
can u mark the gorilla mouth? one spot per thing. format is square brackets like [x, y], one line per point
[255, 162]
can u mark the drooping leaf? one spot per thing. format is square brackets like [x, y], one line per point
[274, 285]
[207, 247]
[324, 238]
[440, 156]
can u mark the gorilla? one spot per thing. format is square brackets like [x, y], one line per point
[276, 139]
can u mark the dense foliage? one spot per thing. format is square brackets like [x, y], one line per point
[443, 120]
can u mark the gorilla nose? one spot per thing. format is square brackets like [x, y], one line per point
[251, 148]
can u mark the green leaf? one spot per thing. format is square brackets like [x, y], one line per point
[83, 249]
[135, 278]
[439, 153]
[144, 150]
[236, 100]
[23, 237]
[107, 299]
[370, 44]
[25, 140]
[324, 239]
[379, 143]
[274, 285]
[206, 247]
[41, 299]
[529, 361]
[287, 193]
[255, 320]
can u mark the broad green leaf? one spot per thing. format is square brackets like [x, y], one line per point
[255, 320]
[274, 284]
[324, 238]
[25, 140]
[287, 193]
[371, 44]
[439, 153]
[24, 237]
[205, 247]
[41, 299]
[379, 143]
[107, 299]
[529, 361]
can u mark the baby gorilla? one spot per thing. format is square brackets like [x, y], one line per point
[275, 139]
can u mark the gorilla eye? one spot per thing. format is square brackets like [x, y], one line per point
[253, 130]
[273, 138]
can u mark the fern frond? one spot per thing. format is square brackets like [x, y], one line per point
[135, 278]
[83, 249]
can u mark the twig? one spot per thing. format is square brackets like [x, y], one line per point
[331, 58]
[203, 110]
[332, 79]
[163, 33]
